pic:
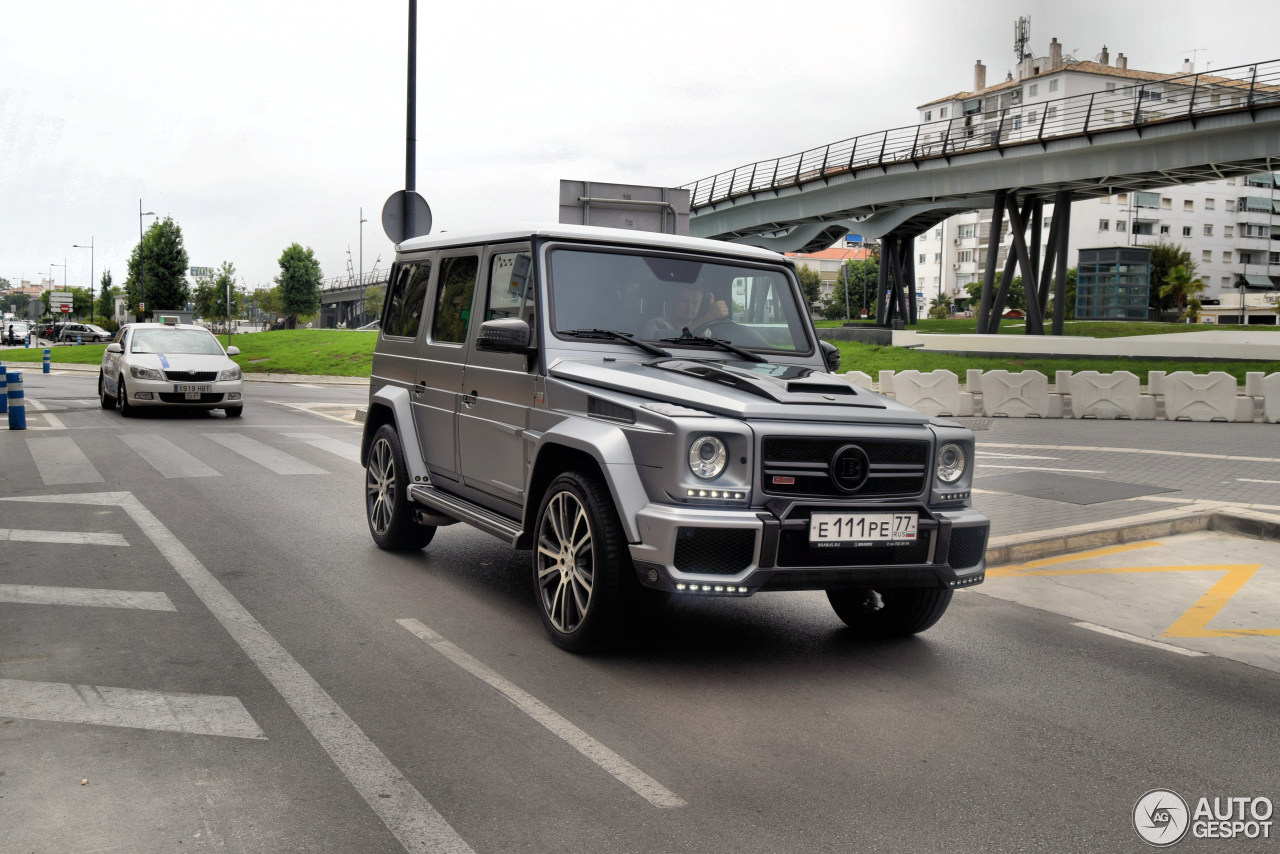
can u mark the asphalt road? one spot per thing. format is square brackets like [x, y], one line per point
[201, 649]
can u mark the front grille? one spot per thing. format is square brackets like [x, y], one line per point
[717, 551]
[794, 549]
[191, 376]
[181, 397]
[968, 546]
[796, 466]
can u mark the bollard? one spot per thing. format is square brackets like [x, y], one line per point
[17, 406]
[79, 343]
[4, 394]
[46, 360]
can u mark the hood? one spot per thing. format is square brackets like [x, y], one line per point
[740, 389]
[182, 361]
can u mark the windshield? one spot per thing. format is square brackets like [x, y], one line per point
[170, 340]
[655, 297]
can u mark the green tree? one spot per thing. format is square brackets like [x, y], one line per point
[1164, 257]
[810, 286]
[81, 302]
[299, 282]
[1180, 287]
[107, 294]
[940, 307]
[1017, 297]
[373, 297]
[210, 293]
[860, 277]
[267, 300]
[162, 257]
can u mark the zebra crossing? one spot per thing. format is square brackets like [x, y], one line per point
[61, 461]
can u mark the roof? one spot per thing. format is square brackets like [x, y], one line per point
[589, 234]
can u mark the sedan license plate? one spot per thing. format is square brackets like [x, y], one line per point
[193, 392]
[858, 529]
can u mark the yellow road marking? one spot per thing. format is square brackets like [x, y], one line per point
[1017, 569]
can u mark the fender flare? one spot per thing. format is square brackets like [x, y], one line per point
[606, 444]
[396, 399]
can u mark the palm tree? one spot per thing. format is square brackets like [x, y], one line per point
[1180, 286]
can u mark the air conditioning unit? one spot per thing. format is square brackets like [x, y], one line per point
[956, 241]
[955, 266]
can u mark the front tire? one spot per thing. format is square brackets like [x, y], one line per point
[107, 401]
[896, 612]
[126, 409]
[580, 564]
[233, 411]
[386, 496]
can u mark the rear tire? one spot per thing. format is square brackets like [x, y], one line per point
[904, 611]
[107, 401]
[583, 579]
[386, 496]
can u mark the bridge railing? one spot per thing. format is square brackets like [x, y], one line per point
[342, 283]
[1001, 119]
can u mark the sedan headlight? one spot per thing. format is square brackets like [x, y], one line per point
[951, 462]
[707, 457]
[229, 374]
[145, 373]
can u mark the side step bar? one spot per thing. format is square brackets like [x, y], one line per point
[464, 511]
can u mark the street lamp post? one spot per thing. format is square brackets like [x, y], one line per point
[142, 259]
[92, 317]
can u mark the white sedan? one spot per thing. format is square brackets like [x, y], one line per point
[169, 364]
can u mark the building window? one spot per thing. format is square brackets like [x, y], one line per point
[965, 230]
[1186, 231]
[1230, 205]
[1226, 282]
[923, 257]
[1034, 90]
[1048, 221]
[1188, 205]
[1208, 204]
[1122, 199]
[964, 256]
[1275, 258]
[1053, 85]
[1245, 257]
[1111, 87]
[1120, 225]
[928, 115]
[1031, 117]
[937, 257]
[1227, 231]
[1051, 113]
[1208, 230]
[1164, 229]
[1104, 225]
[1106, 200]
[1206, 255]
[1146, 200]
[1108, 115]
[1226, 256]
[1166, 203]
[942, 112]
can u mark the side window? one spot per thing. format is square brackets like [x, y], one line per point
[453, 305]
[510, 288]
[403, 315]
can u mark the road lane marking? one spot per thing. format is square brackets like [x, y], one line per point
[1167, 647]
[1021, 568]
[1255, 480]
[1152, 451]
[30, 594]
[622, 770]
[986, 466]
[52, 420]
[166, 457]
[264, 455]
[60, 461]
[194, 714]
[346, 450]
[1015, 456]
[315, 409]
[416, 824]
[76, 538]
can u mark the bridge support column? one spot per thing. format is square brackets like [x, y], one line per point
[896, 268]
[1025, 257]
[994, 239]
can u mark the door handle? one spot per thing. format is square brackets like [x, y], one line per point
[470, 400]
[419, 388]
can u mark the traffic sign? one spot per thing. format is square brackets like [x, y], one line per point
[64, 308]
[393, 223]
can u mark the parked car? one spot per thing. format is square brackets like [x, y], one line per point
[20, 328]
[86, 333]
[654, 416]
[170, 364]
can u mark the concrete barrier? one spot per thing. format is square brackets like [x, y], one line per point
[1106, 396]
[1203, 397]
[860, 379]
[933, 393]
[1267, 388]
[1020, 395]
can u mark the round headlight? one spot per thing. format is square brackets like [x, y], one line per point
[951, 462]
[707, 457]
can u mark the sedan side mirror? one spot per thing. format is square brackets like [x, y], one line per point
[233, 350]
[114, 347]
[504, 335]
[831, 355]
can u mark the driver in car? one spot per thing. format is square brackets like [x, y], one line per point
[690, 308]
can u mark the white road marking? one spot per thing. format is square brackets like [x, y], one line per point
[166, 457]
[339, 448]
[1167, 647]
[60, 461]
[52, 420]
[310, 409]
[29, 594]
[986, 466]
[194, 714]
[1015, 456]
[264, 455]
[1152, 451]
[304, 385]
[1255, 480]
[76, 538]
[626, 773]
[408, 815]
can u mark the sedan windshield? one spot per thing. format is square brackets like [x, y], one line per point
[198, 342]
[658, 297]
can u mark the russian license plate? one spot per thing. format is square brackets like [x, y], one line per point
[192, 392]
[854, 529]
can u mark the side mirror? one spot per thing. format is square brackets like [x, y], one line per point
[504, 335]
[114, 347]
[831, 355]
[233, 350]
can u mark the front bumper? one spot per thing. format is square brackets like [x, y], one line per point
[144, 392]
[741, 552]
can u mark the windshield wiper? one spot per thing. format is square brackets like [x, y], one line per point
[619, 336]
[687, 338]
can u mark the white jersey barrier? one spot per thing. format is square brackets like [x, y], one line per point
[1087, 394]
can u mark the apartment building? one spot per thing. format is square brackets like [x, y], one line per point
[1230, 226]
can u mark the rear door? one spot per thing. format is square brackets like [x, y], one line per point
[499, 388]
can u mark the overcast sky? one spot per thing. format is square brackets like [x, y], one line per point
[259, 124]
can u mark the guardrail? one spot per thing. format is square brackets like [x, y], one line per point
[1002, 119]
[343, 283]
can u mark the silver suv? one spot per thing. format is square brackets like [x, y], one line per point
[654, 416]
